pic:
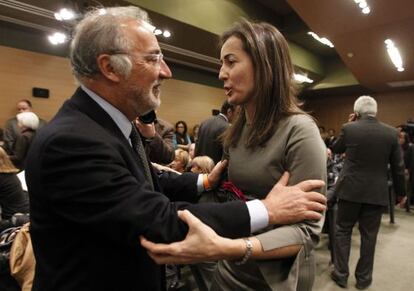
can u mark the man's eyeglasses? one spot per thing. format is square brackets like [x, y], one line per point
[154, 58]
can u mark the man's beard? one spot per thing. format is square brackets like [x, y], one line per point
[145, 101]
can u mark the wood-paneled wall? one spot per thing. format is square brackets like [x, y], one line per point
[22, 70]
[394, 108]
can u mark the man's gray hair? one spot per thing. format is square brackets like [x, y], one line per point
[100, 32]
[28, 119]
[365, 106]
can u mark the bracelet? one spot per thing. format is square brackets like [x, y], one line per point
[248, 254]
[206, 183]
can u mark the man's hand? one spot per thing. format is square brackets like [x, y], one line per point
[352, 117]
[200, 244]
[291, 204]
[215, 174]
[146, 130]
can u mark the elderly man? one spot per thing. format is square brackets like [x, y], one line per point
[11, 130]
[92, 189]
[362, 188]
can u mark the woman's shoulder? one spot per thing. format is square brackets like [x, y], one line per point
[299, 121]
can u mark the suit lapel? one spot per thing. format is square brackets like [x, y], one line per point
[88, 106]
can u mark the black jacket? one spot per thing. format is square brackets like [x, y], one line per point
[90, 202]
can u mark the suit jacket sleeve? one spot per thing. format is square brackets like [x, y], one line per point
[397, 168]
[9, 135]
[305, 159]
[20, 151]
[339, 145]
[92, 184]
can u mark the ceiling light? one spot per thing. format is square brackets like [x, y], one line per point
[157, 31]
[394, 54]
[363, 5]
[166, 33]
[302, 78]
[57, 38]
[366, 10]
[64, 14]
[323, 40]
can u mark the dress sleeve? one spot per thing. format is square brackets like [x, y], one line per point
[305, 158]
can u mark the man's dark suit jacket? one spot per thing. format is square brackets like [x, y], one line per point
[369, 147]
[208, 142]
[90, 202]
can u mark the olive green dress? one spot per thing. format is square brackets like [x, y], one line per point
[296, 147]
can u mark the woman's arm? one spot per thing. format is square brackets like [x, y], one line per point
[215, 247]
[305, 158]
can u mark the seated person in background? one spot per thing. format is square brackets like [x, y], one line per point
[181, 161]
[181, 139]
[194, 133]
[28, 122]
[11, 130]
[202, 165]
[12, 197]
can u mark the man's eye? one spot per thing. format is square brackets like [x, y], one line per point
[152, 58]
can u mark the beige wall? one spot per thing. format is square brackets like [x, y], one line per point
[21, 70]
[394, 108]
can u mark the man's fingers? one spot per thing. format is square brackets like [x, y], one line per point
[316, 197]
[187, 217]
[168, 259]
[312, 215]
[316, 206]
[158, 248]
[309, 185]
[283, 180]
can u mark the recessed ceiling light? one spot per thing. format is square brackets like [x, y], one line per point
[65, 14]
[394, 55]
[57, 38]
[323, 40]
[366, 10]
[363, 5]
[302, 78]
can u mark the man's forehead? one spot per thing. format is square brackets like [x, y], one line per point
[142, 32]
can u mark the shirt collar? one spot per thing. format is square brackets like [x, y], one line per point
[117, 116]
[224, 116]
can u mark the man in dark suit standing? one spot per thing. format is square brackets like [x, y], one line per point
[92, 190]
[362, 186]
[209, 142]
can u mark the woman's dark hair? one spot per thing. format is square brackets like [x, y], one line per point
[274, 91]
[183, 123]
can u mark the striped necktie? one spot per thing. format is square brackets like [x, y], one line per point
[140, 150]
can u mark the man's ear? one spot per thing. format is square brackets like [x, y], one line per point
[107, 70]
